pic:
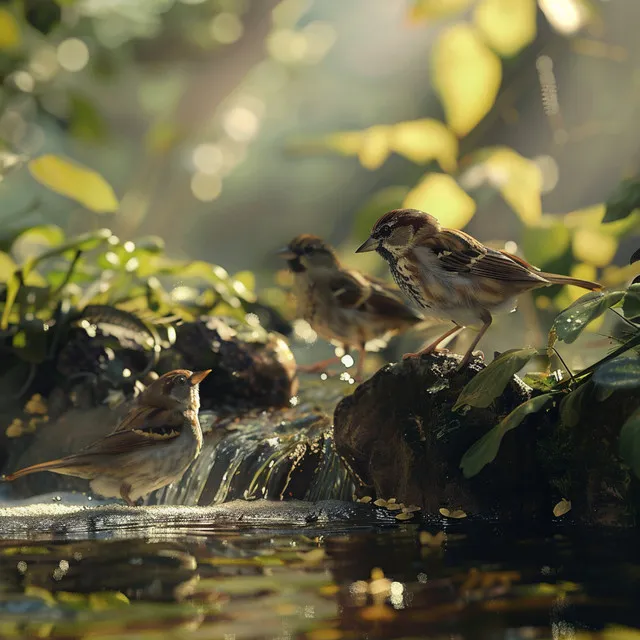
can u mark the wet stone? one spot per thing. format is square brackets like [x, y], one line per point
[399, 437]
[250, 366]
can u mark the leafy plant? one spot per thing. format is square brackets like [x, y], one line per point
[129, 287]
[615, 372]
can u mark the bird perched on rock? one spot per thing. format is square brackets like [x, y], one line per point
[342, 305]
[451, 275]
[151, 447]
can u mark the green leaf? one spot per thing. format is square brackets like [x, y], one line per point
[571, 322]
[82, 242]
[570, 406]
[545, 242]
[243, 285]
[74, 181]
[629, 445]
[35, 241]
[466, 75]
[489, 383]
[624, 200]
[13, 287]
[86, 121]
[151, 244]
[621, 373]
[485, 450]
[631, 302]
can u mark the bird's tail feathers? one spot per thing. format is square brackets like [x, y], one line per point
[52, 465]
[554, 278]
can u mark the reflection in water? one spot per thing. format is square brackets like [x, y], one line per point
[475, 583]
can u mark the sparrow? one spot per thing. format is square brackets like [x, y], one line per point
[343, 306]
[151, 447]
[451, 275]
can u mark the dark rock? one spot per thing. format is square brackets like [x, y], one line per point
[250, 367]
[400, 439]
[580, 455]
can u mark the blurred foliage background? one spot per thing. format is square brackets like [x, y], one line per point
[226, 127]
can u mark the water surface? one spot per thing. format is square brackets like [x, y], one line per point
[345, 572]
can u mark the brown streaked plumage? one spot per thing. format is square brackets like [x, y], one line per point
[451, 275]
[343, 306]
[151, 447]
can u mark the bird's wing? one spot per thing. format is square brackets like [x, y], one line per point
[349, 288]
[152, 433]
[460, 253]
[387, 301]
[158, 426]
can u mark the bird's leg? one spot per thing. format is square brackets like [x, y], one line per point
[430, 348]
[486, 319]
[362, 354]
[318, 366]
[125, 489]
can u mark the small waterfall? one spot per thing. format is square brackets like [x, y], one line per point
[276, 454]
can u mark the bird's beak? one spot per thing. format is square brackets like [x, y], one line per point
[370, 244]
[198, 376]
[287, 254]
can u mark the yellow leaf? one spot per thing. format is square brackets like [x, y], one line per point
[590, 216]
[507, 25]
[519, 180]
[431, 9]
[74, 181]
[564, 506]
[425, 140]
[456, 513]
[7, 266]
[374, 149]
[466, 75]
[593, 247]
[440, 195]
[346, 142]
[10, 37]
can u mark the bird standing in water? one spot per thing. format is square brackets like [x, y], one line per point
[451, 275]
[151, 447]
[343, 306]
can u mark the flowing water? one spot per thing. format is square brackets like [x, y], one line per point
[274, 454]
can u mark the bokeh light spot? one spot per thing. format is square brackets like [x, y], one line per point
[226, 28]
[240, 123]
[206, 187]
[24, 81]
[208, 158]
[73, 54]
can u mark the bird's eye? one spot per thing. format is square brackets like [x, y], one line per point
[308, 249]
[384, 231]
[181, 380]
